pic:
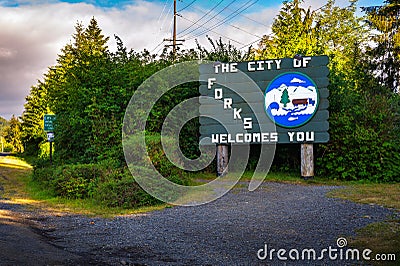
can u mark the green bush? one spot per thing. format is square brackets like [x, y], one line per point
[69, 181]
[156, 156]
[77, 181]
[107, 183]
[123, 191]
[8, 147]
[364, 141]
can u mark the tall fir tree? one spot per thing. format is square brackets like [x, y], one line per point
[75, 84]
[32, 118]
[12, 134]
[385, 56]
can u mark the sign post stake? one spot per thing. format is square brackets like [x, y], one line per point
[51, 153]
[222, 160]
[307, 161]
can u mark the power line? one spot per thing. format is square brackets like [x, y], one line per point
[205, 14]
[187, 6]
[250, 43]
[230, 17]
[231, 25]
[213, 32]
[200, 26]
[167, 13]
[251, 19]
[162, 25]
[162, 12]
[157, 46]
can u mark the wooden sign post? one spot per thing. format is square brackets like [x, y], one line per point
[307, 161]
[222, 160]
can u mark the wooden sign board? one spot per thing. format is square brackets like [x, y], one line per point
[267, 101]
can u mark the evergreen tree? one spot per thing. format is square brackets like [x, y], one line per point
[75, 85]
[12, 134]
[3, 124]
[32, 118]
[293, 33]
[359, 115]
[385, 56]
[285, 97]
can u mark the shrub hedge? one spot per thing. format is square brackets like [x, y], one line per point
[105, 183]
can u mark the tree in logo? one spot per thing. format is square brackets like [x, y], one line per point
[285, 97]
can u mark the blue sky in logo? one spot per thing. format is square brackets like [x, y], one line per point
[294, 79]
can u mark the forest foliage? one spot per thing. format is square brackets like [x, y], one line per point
[90, 86]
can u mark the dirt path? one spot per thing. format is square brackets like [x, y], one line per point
[21, 227]
[228, 231]
[21, 240]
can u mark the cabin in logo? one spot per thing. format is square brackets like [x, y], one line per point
[297, 102]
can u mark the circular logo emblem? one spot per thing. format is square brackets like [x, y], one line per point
[291, 100]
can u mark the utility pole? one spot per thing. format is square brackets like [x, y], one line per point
[174, 40]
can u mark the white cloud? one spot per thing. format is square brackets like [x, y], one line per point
[296, 80]
[31, 37]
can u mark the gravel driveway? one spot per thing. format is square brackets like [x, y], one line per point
[229, 231]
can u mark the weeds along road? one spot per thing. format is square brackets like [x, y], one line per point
[228, 231]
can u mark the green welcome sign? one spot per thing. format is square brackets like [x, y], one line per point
[266, 101]
[48, 122]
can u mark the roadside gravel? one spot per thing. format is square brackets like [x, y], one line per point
[228, 231]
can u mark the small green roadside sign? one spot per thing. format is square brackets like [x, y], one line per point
[48, 122]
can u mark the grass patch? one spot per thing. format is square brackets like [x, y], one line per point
[387, 195]
[281, 177]
[381, 237]
[17, 187]
[12, 170]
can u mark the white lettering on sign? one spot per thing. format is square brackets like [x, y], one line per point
[274, 137]
[226, 68]
[301, 136]
[228, 103]
[218, 94]
[263, 65]
[236, 113]
[248, 123]
[278, 63]
[211, 82]
[265, 137]
[301, 62]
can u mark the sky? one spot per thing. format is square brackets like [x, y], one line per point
[32, 32]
